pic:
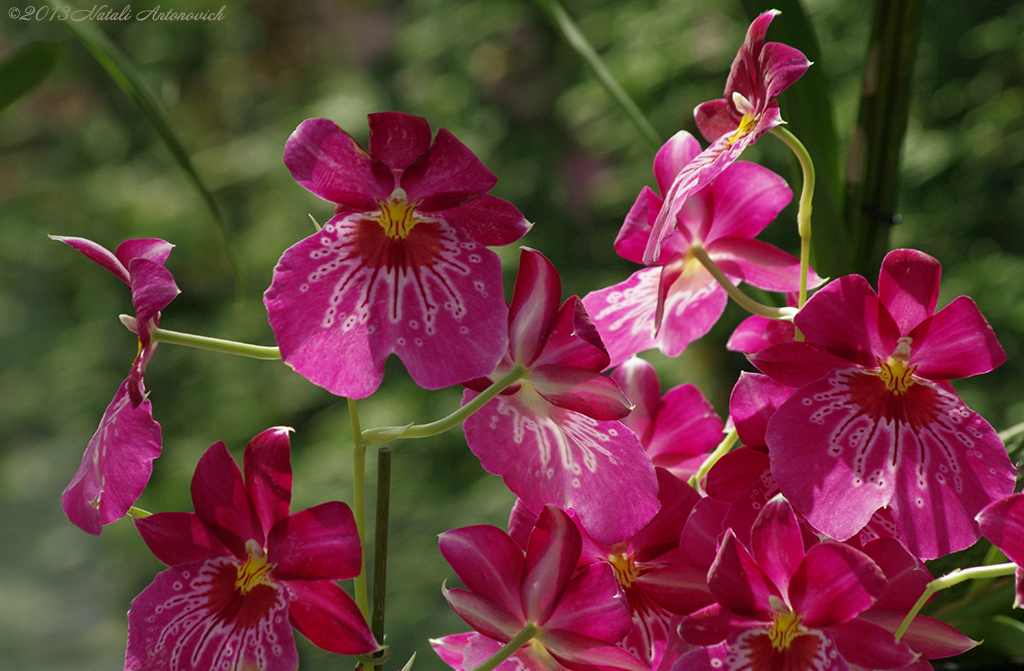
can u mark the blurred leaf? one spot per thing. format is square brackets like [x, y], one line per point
[120, 69]
[808, 110]
[25, 69]
[1006, 634]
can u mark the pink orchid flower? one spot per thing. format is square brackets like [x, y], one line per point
[873, 423]
[759, 73]
[678, 429]
[401, 268]
[579, 615]
[244, 571]
[780, 606]
[670, 305]
[659, 583]
[119, 458]
[555, 436]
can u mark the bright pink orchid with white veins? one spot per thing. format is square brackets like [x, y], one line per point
[401, 268]
[555, 436]
[873, 422]
[677, 300]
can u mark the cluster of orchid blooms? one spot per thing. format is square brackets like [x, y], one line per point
[644, 536]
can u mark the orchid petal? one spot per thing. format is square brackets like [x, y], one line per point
[446, 176]
[686, 426]
[573, 340]
[758, 263]
[153, 288]
[1002, 522]
[222, 503]
[398, 139]
[956, 342]
[753, 401]
[551, 556]
[329, 618]
[483, 614]
[451, 648]
[777, 544]
[639, 383]
[713, 624]
[178, 538]
[535, 302]
[193, 617]
[794, 364]
[755, 333]
[908, 286]
[580, 390]
[487, 562]
[581, 652]
[97, 253]
[834, 584]
[738, 584]
[116, 464]
[592, 604]
[489, 221]
[329, 163]
[636, 228]
[673, 156]
[869, 646]
[547, 454]
[747, 197]
[268, 475]
[320, 543]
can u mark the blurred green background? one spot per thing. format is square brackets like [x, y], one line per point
[78, 158]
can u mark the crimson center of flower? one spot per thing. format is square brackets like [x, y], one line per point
[255, 570]
[895, 371]
[397, 215]
[624, 565]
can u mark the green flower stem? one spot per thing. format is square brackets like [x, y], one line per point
[803, 217]
[954, 578]
[507, 650]
[211, 344]
[380, 544]
[386, 434]
[564, 24]
[734, 292]
[359, 506]
[719, 452]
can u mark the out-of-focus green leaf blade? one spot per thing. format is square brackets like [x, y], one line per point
[25, 69]
[120, 69]
[807, 108]
[564, 24]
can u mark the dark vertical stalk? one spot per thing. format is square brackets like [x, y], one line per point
[872, 176]
[380, 543]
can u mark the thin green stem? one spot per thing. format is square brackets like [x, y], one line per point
[203, 342]
[138, 513]
[803, 217]
[719, 452]
[954, 578]
[359, 506]
[386, 434]
[734, 292]
[564, 24]
[507, 650]
[1006, 435]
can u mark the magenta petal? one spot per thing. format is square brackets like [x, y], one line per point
[397, 139]
[956, 342]
[97, 253]
[639, 382]
[747, 197]
[222, 503]
[846, 318]
[713, 624]
[551, 556]
[116, 465]
[345, 298]
[673, 156]
[580, 390]
[753, 401]
[549, 455]
[583, 653]
[1002, 522]
[834, 584]
[191, 617]
[484, 615]
[329, 618]
[624, 314]
[535, 302]
[756, 333]
[869, 646]
[446, 176]
[686, 426]
[452, 648]
[794, 364]
[153, 288]
[738, 584]
[908, 286]
[268, 475]
[573, 340]
[489, 221]
[733, 474]
[777, 544]
[759, 263]
[320, 543]
[326, 160]
[488, 562]
[178, 538]
[636, 228]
